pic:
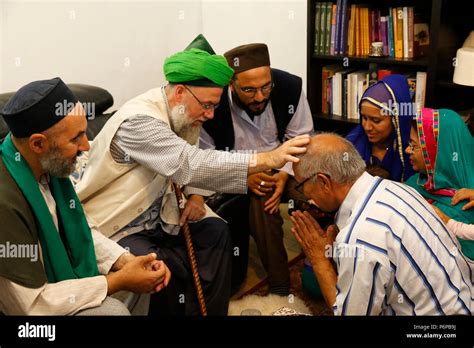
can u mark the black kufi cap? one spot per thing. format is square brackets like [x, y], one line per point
[38, 106]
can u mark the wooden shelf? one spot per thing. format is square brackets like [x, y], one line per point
[450, 84]
[421, 61]
[335, 118]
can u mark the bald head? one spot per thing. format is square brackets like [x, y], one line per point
[333, 155]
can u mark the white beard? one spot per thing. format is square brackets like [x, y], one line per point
[182, 125]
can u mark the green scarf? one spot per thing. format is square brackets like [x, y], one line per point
[74, 257]
[451, 162]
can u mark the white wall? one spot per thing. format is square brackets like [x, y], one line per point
[121, 45]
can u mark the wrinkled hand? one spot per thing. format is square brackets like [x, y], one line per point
[286, 152]
[254, 181]
[312, 238]
[194, 209]
[464, 194]
[272, 205]
[143, 274]
[445, 218]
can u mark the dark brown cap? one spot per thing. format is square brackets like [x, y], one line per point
[248, 57]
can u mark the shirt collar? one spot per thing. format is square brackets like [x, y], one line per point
[357, 191]
[44, 179]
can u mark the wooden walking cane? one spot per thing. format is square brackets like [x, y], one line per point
[191, 255]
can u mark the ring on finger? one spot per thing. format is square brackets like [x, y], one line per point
[262, 183]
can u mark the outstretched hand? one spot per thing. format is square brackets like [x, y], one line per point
[287, 151]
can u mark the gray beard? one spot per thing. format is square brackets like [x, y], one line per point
[182, 125]
[55, 164]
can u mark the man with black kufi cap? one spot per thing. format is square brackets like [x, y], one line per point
[40, 209]
[149, 143]
[261, 108]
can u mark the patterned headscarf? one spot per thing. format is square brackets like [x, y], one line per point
[391, 94]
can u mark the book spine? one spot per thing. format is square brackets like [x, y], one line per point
[350, 32]
[366, 31]
[405, 32]
[410, 31]
[322, 29]
[324, 100]
[317, 27]
[378, 17]
[327, 48]
[373, 29]
[344, 23]
[338, 27]
[390, 34]
[333, 29]
[357, 32]
[344, 98]
[420, 90]
[399, 33]
[383, 34]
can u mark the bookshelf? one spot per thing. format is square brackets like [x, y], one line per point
[450, 22]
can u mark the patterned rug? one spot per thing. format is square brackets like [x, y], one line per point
[317, 306]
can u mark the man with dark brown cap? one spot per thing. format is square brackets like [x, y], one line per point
[77, 268]
[261, 108]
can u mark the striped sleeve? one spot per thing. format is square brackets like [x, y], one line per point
[151, 143]
[362, 280]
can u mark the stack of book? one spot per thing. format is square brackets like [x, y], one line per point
[343, 88]
[342, 29]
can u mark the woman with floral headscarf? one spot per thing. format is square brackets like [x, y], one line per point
[386, 112]
[441, 151]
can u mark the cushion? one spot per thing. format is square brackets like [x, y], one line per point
[86, 94]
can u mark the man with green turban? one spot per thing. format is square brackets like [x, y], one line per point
[150, 143]
[198, 65]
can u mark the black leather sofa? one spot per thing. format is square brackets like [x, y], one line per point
[101, 98]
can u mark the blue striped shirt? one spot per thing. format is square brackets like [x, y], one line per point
[396, 257]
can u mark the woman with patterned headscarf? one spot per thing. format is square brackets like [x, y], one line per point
[385, 111]
[441, 151]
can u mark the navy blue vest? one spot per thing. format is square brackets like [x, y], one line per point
[284, 98]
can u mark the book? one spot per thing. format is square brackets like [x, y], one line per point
[383, 34]
[420, 90]
[327, 40]
[338, 27]
[391, 47]
[344, 24]
[410, 31]
[351, 31]
[333, 29]
[353, 97]
[398, 32]
[327, 73]
[405, 32]
[338, 92]
[322, 29]
[317, 27]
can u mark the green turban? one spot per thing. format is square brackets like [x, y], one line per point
[198, 68]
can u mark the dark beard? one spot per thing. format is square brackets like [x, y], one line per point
[240, 104]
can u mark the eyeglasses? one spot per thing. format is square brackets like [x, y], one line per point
[252, 91]
[299, 187]
[413, 147]
[205, 106]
